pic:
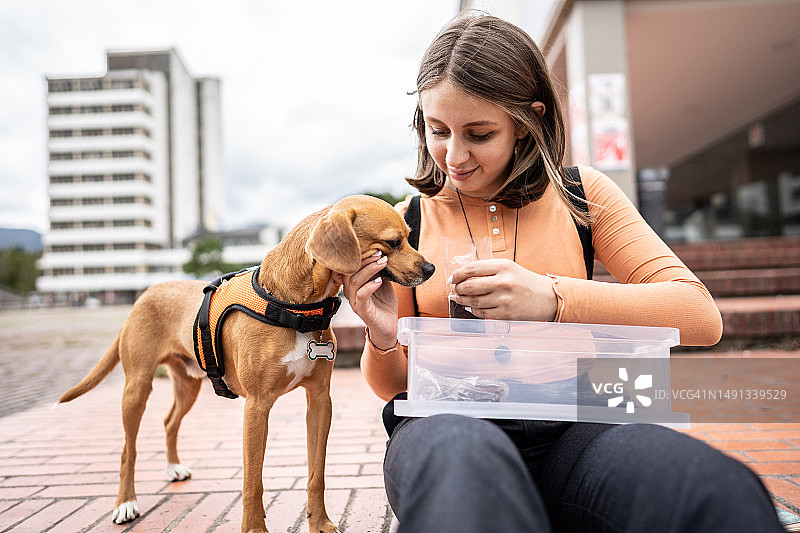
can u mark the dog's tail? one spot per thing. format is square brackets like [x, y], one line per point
[102, 369]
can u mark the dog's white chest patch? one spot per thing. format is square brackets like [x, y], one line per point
[298, 365]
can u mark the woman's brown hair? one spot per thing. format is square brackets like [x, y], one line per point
[492, 59]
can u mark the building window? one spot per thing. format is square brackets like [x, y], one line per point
[59, 86]
[93, 201]
[60, 110]
[92, 154]
[94, 132]
[61, 225]
[61, 248]
[61, 202]
[122, 154]
[92, 109]
[61, 156]
[123, 200]
[126, 223]
[122, 84]
[94, 247]
[124, 246]
[92, 178]
[124, 270]
[94, 270]
[123, 177]
[93, 224]
[122, 131]
[64, 271]
[60, 179]
[60, 133]
[122, 108]
[95, 84]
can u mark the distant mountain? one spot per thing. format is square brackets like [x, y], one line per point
[28, 240]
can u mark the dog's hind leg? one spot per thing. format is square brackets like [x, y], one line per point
[134, 399]
[185, 389]
[318, 424]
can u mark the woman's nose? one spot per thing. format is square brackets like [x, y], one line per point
[457, 153]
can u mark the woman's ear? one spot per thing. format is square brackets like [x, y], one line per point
[334, 244]
[538, 108]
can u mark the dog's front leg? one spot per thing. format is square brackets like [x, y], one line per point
[318, 424]
[256, 416]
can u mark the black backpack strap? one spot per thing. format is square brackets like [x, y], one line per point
[578, 198]
[413, 218]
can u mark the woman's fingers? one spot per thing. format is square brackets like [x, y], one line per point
[484, 267]
[369, 268]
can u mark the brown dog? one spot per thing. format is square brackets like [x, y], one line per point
[262, 361]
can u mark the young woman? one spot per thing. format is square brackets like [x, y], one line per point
[491, 145]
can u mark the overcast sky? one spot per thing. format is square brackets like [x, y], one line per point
[314, 93]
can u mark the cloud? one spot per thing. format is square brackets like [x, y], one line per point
[314, 93]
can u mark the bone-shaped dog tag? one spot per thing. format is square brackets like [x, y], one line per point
[325, 350]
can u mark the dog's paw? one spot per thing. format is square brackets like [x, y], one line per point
[177, 472]
[325, 527]
[125, 512]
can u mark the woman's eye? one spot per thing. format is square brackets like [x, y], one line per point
[436, 132]
[393, 244]
[481, 137]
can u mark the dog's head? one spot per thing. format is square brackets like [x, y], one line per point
[358, 226]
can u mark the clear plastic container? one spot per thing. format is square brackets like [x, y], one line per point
[538, 370]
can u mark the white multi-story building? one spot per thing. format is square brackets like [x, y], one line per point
[135, 167]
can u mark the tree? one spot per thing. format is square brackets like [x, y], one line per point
[207, 259]
[18, 270]
[388, 197]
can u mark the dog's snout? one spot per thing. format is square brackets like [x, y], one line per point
[428, 269]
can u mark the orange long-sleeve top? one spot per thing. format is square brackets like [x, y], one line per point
[655, 289]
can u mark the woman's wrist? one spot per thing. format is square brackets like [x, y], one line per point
[380, 344]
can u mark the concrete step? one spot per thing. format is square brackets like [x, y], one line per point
[758, 282]
[767, 252]
[750, 282]
[762, 316]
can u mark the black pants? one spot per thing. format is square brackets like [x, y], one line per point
[451, 473]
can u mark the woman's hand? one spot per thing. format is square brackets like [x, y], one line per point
[501, 289]
[374, 301]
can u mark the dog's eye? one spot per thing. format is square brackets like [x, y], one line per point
[393, 244]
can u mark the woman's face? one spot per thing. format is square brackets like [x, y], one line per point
[470, 139]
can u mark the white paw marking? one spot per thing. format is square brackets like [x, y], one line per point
[125, 512]
[177, 472]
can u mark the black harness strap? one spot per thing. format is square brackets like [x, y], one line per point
[215, 366]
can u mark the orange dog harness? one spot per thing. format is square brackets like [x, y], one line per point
[240, 291]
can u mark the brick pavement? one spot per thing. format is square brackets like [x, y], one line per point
[58, 469]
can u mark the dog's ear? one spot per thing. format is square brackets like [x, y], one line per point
[333, 242]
